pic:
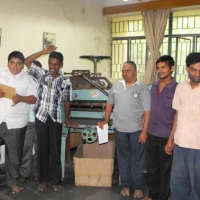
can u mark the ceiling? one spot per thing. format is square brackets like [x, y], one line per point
[120, 7]
[110, 3]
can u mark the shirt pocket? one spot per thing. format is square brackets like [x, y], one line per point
[195, 106]
[167, 109]
[59, 90]
[43, 91]
[58, 94]
[168, 102]
[136, 97]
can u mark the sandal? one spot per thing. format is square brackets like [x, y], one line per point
[16, 189]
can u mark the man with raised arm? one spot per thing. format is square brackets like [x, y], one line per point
[53, 89]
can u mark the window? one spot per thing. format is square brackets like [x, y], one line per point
[129, 43]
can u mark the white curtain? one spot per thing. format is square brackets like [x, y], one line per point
[154, 28]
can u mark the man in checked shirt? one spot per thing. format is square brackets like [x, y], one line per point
[53, 88]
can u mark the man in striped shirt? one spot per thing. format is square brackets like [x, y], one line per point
[53, 89]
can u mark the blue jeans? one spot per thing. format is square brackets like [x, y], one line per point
[185, 174]
[131, 159]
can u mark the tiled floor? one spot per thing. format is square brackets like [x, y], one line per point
[69, 191]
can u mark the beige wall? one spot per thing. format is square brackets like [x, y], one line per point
[80, 29]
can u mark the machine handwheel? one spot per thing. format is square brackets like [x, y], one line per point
[89, 135]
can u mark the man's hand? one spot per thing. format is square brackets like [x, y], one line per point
[169, 146]
[16, 99]
[142, 137]
[2, 93]
[71, 123]
[101, 124]
[49, 49]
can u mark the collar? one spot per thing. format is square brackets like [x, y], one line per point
[169, 85]
[60, 72]
[124, 84]
[189, 80]
[16, 76]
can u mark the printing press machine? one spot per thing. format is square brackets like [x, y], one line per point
[90, 94]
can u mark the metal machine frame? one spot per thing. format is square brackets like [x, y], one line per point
[90, 94]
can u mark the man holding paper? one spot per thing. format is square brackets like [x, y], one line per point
[17, 91]
[131, 102]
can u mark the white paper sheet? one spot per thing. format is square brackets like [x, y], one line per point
[103, 134]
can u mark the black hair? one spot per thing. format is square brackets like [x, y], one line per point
[38, 63]
[56, 55]
[166, 58]
[16, 54]
[192, 58]
[132, 63]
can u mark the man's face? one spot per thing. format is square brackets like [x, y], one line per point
[54, 67]
[129, 73]
[164, 71]
[194, 73]
[15, 65]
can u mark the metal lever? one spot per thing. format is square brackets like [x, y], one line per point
[99, 88]
[95, 59]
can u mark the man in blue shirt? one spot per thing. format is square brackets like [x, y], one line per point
[160, 124]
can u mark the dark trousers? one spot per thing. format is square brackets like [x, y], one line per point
[49, 151]
[14, 141]
[131, 159]
[185, 175]
[158, 168]
[29, 160]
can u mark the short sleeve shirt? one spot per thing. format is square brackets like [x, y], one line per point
[51, 94]
[129, 105]
[187, 102]
[16, 116]
[162, 113]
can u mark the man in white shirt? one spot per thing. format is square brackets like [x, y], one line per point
[14, 114]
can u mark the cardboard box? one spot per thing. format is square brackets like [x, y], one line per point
[75, 139]
[93, 164]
